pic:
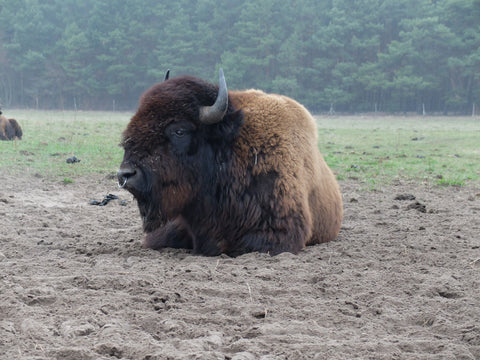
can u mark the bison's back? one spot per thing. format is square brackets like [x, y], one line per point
[280, 135]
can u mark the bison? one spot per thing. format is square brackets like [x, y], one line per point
[9, 128]
[232, 172]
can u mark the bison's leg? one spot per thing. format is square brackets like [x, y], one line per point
[175, 234]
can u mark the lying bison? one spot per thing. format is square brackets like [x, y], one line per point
[9, 129]
[227, 172]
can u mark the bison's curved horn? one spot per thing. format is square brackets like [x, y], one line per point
[167, 75]
[214, 114]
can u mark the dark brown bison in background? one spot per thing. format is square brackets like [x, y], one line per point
[9, 129]
[227, 172]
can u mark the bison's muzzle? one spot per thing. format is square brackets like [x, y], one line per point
[127, 175]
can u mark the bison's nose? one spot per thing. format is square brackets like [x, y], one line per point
[123, 174]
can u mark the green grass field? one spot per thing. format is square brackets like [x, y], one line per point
[374, 150]
[379, 150]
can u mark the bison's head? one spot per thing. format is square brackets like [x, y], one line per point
[175, 144]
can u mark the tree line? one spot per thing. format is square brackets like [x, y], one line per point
[331, 55]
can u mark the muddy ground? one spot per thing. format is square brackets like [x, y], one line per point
[401, 282]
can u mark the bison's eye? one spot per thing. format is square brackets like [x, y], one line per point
[180, 136]
[179, 133]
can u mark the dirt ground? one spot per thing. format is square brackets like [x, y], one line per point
[402, 281]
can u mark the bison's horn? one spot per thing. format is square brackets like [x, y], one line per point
[167, 75]
[214, 114]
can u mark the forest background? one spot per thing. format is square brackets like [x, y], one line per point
[343, 55]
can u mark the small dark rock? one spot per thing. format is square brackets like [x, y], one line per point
[72, 160]
[43, 242]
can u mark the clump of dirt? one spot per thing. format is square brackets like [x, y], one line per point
[404, 197]
[417, 206]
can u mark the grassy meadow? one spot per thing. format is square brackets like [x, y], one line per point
[375, 150]
[383, 149]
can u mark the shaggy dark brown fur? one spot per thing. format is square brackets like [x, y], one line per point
[9, 129]
[255, 181]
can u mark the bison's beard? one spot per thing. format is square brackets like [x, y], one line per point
[162, 231]
[152, 216]
[149, 208]
[141, 186]
[162, 204]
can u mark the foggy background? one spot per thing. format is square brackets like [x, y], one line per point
[342, 55]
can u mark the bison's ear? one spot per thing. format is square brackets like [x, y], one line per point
[167, 75]
[214, 114]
